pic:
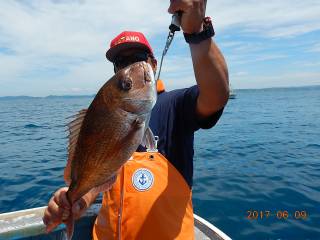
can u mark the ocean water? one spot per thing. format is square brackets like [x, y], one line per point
[257, 172]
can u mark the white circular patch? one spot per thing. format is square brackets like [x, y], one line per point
[142, 179]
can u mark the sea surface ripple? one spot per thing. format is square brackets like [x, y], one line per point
[263, 155]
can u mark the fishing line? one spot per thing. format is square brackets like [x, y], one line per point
[174, 26]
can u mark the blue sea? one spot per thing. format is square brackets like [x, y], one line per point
[257, 172]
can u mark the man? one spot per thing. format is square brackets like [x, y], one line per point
[151, 198]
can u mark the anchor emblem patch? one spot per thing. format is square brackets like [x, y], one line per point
[142, 179]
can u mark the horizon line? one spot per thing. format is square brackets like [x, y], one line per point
[93, 94]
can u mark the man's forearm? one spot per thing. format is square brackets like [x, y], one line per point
[212, 77]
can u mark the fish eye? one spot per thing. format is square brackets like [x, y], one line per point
[125, 84]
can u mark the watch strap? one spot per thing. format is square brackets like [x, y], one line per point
[196, 38]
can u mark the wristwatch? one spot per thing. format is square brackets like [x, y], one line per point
[208, 32]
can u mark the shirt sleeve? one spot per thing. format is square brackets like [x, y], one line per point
[186, 104]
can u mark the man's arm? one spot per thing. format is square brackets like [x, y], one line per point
[212, 77]
[209, 65]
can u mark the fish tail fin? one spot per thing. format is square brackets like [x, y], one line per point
[70, 220]
[70, 227]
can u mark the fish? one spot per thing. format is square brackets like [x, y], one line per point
[104, 136]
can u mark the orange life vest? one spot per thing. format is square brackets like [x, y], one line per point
[149, 200]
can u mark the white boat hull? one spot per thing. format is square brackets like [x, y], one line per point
[27, 224]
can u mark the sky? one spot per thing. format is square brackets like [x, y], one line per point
[58, 47]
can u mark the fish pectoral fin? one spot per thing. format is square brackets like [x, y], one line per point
[149, 140]
[107, 185]
[74, 129]
[139, 122]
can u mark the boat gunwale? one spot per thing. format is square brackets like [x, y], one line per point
[26, 228]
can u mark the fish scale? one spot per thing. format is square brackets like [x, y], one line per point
[103, 137]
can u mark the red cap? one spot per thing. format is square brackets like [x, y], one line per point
[127, 40]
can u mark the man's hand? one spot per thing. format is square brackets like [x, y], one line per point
[193, 12]
[59, 208]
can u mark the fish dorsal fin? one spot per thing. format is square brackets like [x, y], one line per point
[74, 129]
[150, 141]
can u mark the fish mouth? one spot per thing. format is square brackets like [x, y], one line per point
[144, 100]
[138, 106]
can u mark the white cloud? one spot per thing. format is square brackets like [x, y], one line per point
[177, 71]
[11, 67]
[238, 59]
[241, 74]
[56, 45]
[75, 29]
[315, 48]
[272, 18]
[70, 36]
[279, 80]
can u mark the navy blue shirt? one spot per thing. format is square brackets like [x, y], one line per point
[174, 120]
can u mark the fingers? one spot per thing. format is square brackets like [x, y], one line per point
[47, 217]
[61, 199]
[193, 14]
[62, 206]
[57, 211]
[51, 217]
[179, 5]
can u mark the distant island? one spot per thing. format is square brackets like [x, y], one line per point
[70, 96]
[48, 97]
[92, 95]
